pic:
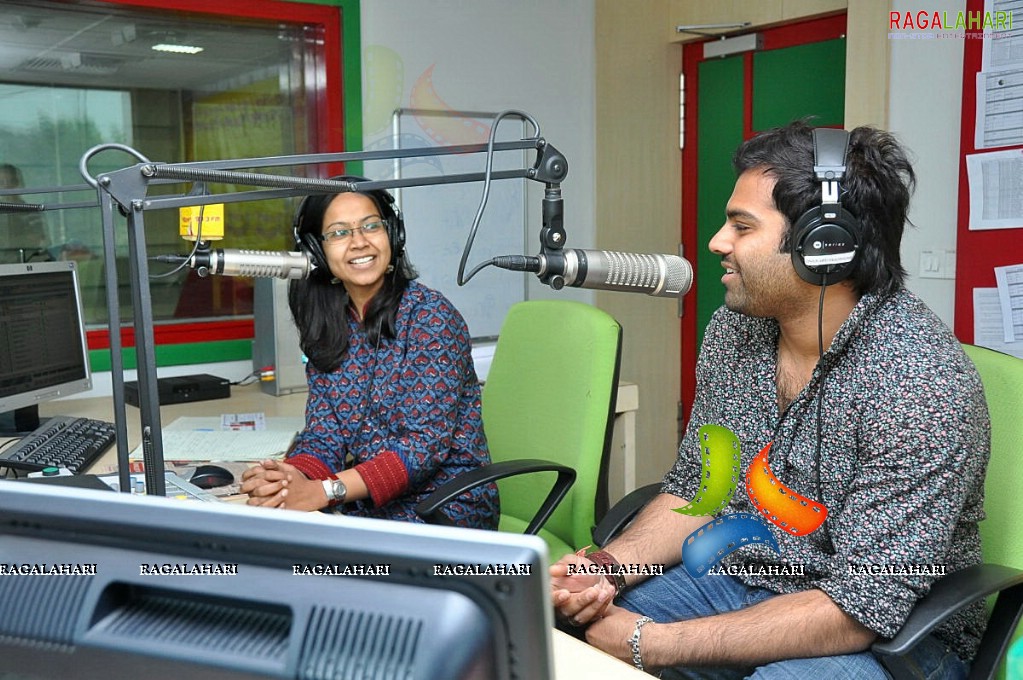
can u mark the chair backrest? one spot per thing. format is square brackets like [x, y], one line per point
[1001, 531]
[550, 394]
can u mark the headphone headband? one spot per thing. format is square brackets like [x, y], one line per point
[830, 147]
[827, 237]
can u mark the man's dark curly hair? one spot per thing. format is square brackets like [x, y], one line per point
[879, 181]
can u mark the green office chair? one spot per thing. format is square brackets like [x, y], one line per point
[548, 413]
[1001, 533]
[1014, 662]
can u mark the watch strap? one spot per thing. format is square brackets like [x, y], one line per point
[328, 489]
[611, 568]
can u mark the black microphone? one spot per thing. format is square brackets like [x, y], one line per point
[258, 263]
[657, 275]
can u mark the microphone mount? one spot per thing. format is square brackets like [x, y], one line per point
[552, 234]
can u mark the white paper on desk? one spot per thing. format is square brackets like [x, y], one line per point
[987, 323]
[996, 189]
[1010, 298]
[290, 423]
[242, 421]
[1002, 46]
[223, 445]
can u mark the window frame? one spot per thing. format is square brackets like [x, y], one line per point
[335, 92]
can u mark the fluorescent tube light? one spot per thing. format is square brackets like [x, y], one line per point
[177, 49]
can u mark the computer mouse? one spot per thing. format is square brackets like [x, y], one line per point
[211, 476]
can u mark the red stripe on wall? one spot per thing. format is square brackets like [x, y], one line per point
[174, 334]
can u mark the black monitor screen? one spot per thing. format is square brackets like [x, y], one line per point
[43, 352]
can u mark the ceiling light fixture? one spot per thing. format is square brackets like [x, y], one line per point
[177, 49]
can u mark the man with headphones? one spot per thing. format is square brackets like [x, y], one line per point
[871, 409]
[394, 402]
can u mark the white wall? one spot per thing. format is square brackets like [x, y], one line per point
[924, 111]
[535, 56]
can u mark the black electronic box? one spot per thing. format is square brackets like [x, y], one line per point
[182, 389]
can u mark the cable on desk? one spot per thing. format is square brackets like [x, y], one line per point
[252, 377]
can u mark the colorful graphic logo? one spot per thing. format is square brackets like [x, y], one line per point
[720, 456]
[930, 25]
[941, 21]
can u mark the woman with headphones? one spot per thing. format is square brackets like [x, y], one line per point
[394, 402]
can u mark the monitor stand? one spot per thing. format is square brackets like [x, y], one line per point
[19, 422]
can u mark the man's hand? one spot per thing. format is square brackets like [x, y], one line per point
[580, 598]
[611, 633]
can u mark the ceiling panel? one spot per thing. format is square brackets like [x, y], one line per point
[85, 46]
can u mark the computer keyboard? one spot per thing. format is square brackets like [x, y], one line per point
[62, 441]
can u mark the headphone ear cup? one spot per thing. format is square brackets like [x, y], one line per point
[306, 241]
[314, 248]
[396, 234]
[825, 249]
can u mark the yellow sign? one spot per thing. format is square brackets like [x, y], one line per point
[212, 222]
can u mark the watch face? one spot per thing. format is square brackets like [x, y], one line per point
[340, 490]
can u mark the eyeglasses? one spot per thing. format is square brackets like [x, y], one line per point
[342, 235]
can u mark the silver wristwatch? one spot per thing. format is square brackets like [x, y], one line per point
[336, 491]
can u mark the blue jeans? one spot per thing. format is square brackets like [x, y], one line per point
[676, 596]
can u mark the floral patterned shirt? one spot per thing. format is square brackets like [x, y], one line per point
[905, 440]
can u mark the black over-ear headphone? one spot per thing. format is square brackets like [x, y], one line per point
[827, 238]
[308, 239]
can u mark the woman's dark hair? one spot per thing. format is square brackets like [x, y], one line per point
[878, 183]
[319, 304]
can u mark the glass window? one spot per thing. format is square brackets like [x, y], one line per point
[175, 86]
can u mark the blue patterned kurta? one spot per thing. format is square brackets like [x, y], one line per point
[906, 439]
[421, 427]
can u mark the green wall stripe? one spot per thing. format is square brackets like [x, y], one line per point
[351, 57]
[182, 354]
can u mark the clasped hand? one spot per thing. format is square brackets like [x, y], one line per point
[585, 599]
[276, 484]
[579, 597]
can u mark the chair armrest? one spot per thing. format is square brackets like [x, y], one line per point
[950, 594]
[429, 508]
[623, 512]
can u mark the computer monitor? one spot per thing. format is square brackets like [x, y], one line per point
[112, 585]
[43, 352]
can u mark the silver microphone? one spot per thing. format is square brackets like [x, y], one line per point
[258, 263]
[657, 275]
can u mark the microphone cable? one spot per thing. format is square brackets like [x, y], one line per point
[830, 547]
[491, 139]
[201, 191]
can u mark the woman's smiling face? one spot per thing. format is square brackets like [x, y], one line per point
[359, 260]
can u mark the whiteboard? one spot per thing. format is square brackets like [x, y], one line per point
[438, 218]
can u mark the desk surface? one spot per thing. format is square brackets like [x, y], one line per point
[575, 659]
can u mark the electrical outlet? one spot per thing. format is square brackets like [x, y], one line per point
[938, 264]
